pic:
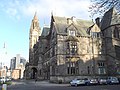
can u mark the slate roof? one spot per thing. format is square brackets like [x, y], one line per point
[111, 17]
[80, 25]
[45, 31]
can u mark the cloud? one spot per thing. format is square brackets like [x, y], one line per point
[11, 11]
[59, 7]
[11, 8]
[78, 8]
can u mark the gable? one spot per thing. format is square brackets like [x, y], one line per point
[111, 17]
[71, 30]
[95, 28]
[71, 27]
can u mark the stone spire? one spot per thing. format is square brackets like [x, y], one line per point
[34, 34]
[35, 16]
[35, 23]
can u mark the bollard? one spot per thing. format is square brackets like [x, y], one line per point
[4, 87]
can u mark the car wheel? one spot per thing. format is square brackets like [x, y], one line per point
[76, 84]
[109, 83]
[87, 84]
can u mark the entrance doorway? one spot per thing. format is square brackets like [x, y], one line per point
[34, 73]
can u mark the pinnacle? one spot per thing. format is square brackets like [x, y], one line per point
[35, 16]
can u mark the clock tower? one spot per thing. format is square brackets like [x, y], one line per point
[34, 34]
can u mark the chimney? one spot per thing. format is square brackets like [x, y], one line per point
[97, 20]
[68, 21]
[73, 18]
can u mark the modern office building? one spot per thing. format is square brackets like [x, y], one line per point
[18, 63]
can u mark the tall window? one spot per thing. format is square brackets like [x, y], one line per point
[68, 68]
[68, 48]
[88, 69]
[101, 68]
[73, 48]
[95, 34]
[71, 68]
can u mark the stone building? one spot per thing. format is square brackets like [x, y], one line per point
[44, 54]
[33, 38]
[71, 48]
[35, 32]
[76, 48]
[3, 71]
[16, 74]
[110, 26]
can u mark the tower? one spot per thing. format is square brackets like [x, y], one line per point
[34, 34]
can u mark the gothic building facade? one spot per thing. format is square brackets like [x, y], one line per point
[35, 32]
[110, 26]
[75, 48]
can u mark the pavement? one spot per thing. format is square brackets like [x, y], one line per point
[47, 83]
[38, 83]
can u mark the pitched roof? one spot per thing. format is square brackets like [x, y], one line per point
[111, 17]
[45, 31]
[61, 24]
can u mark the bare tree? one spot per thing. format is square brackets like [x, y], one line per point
[101, 6]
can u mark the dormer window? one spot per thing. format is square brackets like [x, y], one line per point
[71, 32]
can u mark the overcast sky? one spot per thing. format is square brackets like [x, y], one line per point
[16, 17]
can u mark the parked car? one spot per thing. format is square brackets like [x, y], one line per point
[77, 82]
[112, 80]
[8, 79]
[119, 80]
[94, 81]
[2, 79]
[102, 81]
[87, 81]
